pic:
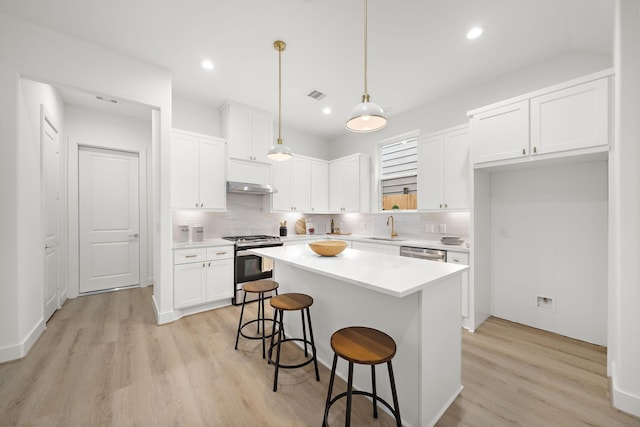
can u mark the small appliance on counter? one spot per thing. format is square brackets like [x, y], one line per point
[181, 233]
[283, 228]
[197, 233]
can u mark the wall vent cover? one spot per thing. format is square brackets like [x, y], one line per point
[316, 94]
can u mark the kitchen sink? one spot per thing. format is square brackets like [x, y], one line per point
[389, 239]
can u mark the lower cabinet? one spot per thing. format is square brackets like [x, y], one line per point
[376, 247]
[202, 275]
[462, 259]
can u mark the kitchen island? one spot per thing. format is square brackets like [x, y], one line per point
[416, 302]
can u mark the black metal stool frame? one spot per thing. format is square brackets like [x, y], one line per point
[282, 339]
[241, 326]
[350, 392]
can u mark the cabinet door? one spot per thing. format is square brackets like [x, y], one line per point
[219, 279]
[212, 165]
[184, 171]
[567, 119]
[281, 174]
[457, 191]
[430, 173]
[462, 259]
[319, 186]
[300, 184]
[351, 184]
[501, 133]
[239, 132]
[262, 129]
[336, 183]
[189, 284]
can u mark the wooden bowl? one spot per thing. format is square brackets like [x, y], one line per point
[328, 247]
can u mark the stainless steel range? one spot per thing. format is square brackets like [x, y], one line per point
[249, 267]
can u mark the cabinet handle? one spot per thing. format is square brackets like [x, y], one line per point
[196, 205]
[204, 264]
[535, 150]
[456, 260]
[440, 205]
[209, 264]
[221, 253]
[523, 152]
[191, 256]
[446, 206]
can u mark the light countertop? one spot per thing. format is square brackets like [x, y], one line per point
[389, 274]
[204, 244]
[399, 241]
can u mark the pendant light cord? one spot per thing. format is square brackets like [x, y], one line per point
[365, 97]
[279, 93]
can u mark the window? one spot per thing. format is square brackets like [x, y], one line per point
[398, 172]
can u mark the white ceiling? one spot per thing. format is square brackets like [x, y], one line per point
[418, 52]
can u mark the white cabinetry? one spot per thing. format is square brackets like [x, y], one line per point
[443, 170]
[349, 184]
[198, 171]
[462, 259]
[202, 275]
[319, 186]
[560, 119]
[376, 247]
[292, 179]
[249, 133]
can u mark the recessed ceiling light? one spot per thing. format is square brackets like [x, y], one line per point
[475, 32]
[326, 110]
[207, 65]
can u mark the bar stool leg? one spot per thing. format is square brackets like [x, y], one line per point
[273, 334]
[333, 375]
[279, 344]
[373, 386]
[394, 393]
[263, 316]
[347, 421]
[313, 345]
[244, 299]
[304, 334]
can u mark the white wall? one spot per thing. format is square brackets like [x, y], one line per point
[95, 128]
[195, 116]
[624, 274]
[452, 111]
[32, 52]
[549, 238]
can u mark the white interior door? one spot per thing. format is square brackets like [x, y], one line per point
[51, 214]
[108, 192]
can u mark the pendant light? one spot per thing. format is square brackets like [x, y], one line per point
[366, 116]
[279, 151]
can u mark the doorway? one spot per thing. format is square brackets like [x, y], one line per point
[109, 219]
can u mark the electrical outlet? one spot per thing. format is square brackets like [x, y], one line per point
[429, 228]
[443, 228]
[544, 303]
[504, 231]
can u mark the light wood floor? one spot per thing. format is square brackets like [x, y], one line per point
[103, 361]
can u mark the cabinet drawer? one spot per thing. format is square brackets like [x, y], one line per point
[219, 252]
[184, 256]
[458, 258]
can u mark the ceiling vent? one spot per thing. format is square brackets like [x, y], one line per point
[316, 94]
[113, 101]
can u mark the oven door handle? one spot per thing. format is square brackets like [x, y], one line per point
[245, 253]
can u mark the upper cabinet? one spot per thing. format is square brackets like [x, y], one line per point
[566, 119]
[443, 170]
[349, 184]
[198, 171]
[302, 184]
[249, 133]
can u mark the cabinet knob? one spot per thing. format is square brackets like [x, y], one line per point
[535, 150]
[210, 264]
[440, 205]
[523, 152]
[446, 206]
[204, 264]
[196, 205]
[201, 204]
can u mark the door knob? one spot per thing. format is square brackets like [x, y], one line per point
[134, 236]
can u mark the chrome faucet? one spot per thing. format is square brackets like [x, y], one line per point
[393, 230]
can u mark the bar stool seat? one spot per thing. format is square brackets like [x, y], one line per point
[259, 287]
[364, 346]
[291, 302]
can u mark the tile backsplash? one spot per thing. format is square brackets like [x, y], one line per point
[249, 214]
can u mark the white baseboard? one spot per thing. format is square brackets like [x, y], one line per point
[622, 400]
[161, 318]
[21, 349]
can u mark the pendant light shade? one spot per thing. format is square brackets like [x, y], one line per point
[279, 151]
[366, 116]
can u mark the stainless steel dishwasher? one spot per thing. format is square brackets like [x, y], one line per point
[424, 253]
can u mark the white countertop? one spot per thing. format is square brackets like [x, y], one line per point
[203, 244]
[399, 241]
[390, 274]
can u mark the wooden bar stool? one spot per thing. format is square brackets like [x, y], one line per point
[291, 302]
[257, 287]
[365, 346]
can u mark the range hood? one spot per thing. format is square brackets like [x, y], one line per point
[249, 188]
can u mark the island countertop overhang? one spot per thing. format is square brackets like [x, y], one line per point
[389, 274]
